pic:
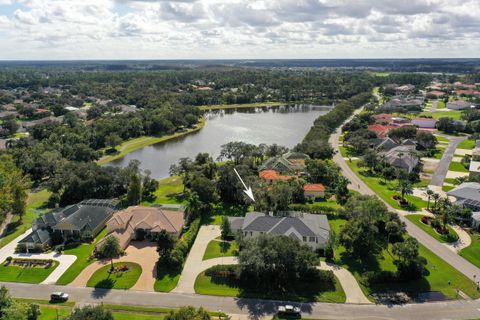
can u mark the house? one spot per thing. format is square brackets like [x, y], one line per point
[476, 220]
[383, 118]
[271, 175]
[86, 219]
[459, 105]
[288, 163]
[29, 124]
[80, 221]
[37, 240]
[403, 156]
[435, 94]
[8, 115]
[140, 222]
[311, 229]
[380, 129]
[474, 169]
[469, 92]
[405, 89]
[467, 195]
[314, 191]
[425, 123]
[384, 144]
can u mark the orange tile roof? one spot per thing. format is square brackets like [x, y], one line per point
[380, 130]
[273, 175]
[314, 187]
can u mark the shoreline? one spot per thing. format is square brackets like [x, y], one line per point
[242, 105]
[137, 143]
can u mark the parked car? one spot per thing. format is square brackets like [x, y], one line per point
[59, 297]
[289, 310]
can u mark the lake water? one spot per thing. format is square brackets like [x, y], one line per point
[284, 125]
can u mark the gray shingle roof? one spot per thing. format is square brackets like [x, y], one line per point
[467, 190]
[305, 224]
[38, 237]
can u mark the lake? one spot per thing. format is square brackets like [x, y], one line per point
[283, 125]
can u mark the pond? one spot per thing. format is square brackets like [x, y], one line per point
[283, 125]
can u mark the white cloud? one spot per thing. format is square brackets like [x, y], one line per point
[81, 29]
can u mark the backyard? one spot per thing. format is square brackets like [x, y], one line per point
[169, 191]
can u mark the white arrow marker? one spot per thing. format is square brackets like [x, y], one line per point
[248, 190]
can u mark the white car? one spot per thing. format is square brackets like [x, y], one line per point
[289, 310]
[59, 296]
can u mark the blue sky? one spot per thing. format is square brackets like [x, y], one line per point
[209, 29]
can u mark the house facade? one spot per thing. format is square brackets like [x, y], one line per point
[310, 229]
[425, 123]
[314, 191]
[139, 222]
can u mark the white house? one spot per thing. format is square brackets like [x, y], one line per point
[425, 123]
[458, 105]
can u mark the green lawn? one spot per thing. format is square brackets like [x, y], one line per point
[343, 151]
[140, 142]
[102, 278]
[472, 252]
[26, 275]
[437, 279]
[466, 144]
[35, 206]
[167, 280]
[441, 104]
[457, 166]
[455, 114]
[242, 105]
[83, 253]
[439, 153]
[451, 180]
[306, 292]
[329, 203]
[217, 249]
[442, 139]
[447, 188]
[416, 219]
[169, 191]
[387, 190]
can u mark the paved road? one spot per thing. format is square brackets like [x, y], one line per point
[440, 250]
[442, 168]
[255, 308]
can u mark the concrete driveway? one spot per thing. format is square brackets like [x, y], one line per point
[64, 260]
[142, 252]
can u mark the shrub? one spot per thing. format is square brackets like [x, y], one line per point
[223, 271]
[370, 278]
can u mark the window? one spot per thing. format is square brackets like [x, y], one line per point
[312, 239]
[304, 239]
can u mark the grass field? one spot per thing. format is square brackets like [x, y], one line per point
[439, 153]
[387, 190]
[472, 252]
[457, 166]
[454, 114]
[138, 143]
[442, 139]
[166, 280]
[416, 219]
[169, 192]
[217, 249]
[447, 188]
[242, 106]
[26, 275]
[437, 279]
[466, 144]
[83, 253]
[441, 104]
[35, 206]
[311, 291]
[102, 278]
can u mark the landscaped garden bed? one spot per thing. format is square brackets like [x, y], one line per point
[123, 276]
[434, 228]
[26, 270]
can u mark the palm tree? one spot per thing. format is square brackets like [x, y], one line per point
[405, 188]
[429, 193]
[435, 197]
[111, 249]
[193, 207]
